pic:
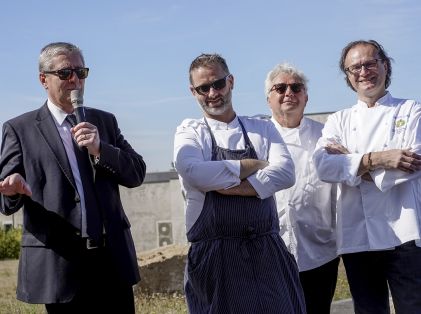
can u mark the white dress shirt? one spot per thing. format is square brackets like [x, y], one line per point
[63, 128]
[307, 210]
[198, 174]
[381, 214]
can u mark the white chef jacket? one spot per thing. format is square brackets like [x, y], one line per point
[381, 214]
[307, 210]
[198, 174]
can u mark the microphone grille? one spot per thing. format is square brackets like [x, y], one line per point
[76, 97]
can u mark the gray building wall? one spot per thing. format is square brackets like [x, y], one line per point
[321, 117]
[155, 209]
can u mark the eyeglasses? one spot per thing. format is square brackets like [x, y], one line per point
[217, 85]
[368, 65]
[66, 74]
[282, 87]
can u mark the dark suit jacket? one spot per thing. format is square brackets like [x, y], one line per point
[49, 260]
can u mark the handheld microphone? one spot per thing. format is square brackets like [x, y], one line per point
[76, 98]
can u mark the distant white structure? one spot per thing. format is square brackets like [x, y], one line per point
[155, 209]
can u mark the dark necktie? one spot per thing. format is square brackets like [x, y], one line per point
[93, 216]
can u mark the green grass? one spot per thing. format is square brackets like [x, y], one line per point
[161, 303]
[148, 304]
[342, 289]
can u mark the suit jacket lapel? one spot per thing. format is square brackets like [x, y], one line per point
[49, 133]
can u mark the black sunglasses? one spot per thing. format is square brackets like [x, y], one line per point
[66, 74]
[282, 87]
[217, 85]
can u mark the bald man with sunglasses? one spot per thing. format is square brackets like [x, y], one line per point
[230, 166]
[307, 211]
[77, 253]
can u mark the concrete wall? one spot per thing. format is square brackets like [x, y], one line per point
[156, 211]
[321, 117]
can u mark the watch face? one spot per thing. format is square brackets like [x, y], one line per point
[95, 159]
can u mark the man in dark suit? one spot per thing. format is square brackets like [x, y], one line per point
[77, 252]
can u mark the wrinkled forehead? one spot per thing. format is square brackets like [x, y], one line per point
[361, 52]
[207, 73]
[288, 78]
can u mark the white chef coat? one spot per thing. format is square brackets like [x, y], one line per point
[198, 174]
[386, 213]
[307, 210]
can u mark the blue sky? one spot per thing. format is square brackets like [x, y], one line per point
[139, 53]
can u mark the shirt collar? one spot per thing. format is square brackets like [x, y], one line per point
[291, 135]
[219, 125]
[58, 114]
[385, 101]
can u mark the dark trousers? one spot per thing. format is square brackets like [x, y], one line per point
[101, 290]
[319, 286]
[372, 274]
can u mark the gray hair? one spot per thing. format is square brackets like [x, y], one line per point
[284, 68]
[55, 49]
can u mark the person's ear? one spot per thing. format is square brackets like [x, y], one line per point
[192, 90]
[231, 81]
[43, 80]
[386, 66]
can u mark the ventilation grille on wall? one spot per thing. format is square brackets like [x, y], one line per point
[164, 233]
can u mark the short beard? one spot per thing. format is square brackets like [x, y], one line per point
[218, 111]
[215, 111]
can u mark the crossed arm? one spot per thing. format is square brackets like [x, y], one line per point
[247, 168]
[401, 159]
[262, 177]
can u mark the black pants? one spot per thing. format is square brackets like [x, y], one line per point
[372, 274]
[319, 286]
[101, 289]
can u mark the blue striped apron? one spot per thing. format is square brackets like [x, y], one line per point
[237, 262]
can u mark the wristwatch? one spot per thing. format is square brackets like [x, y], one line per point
[96, 160]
